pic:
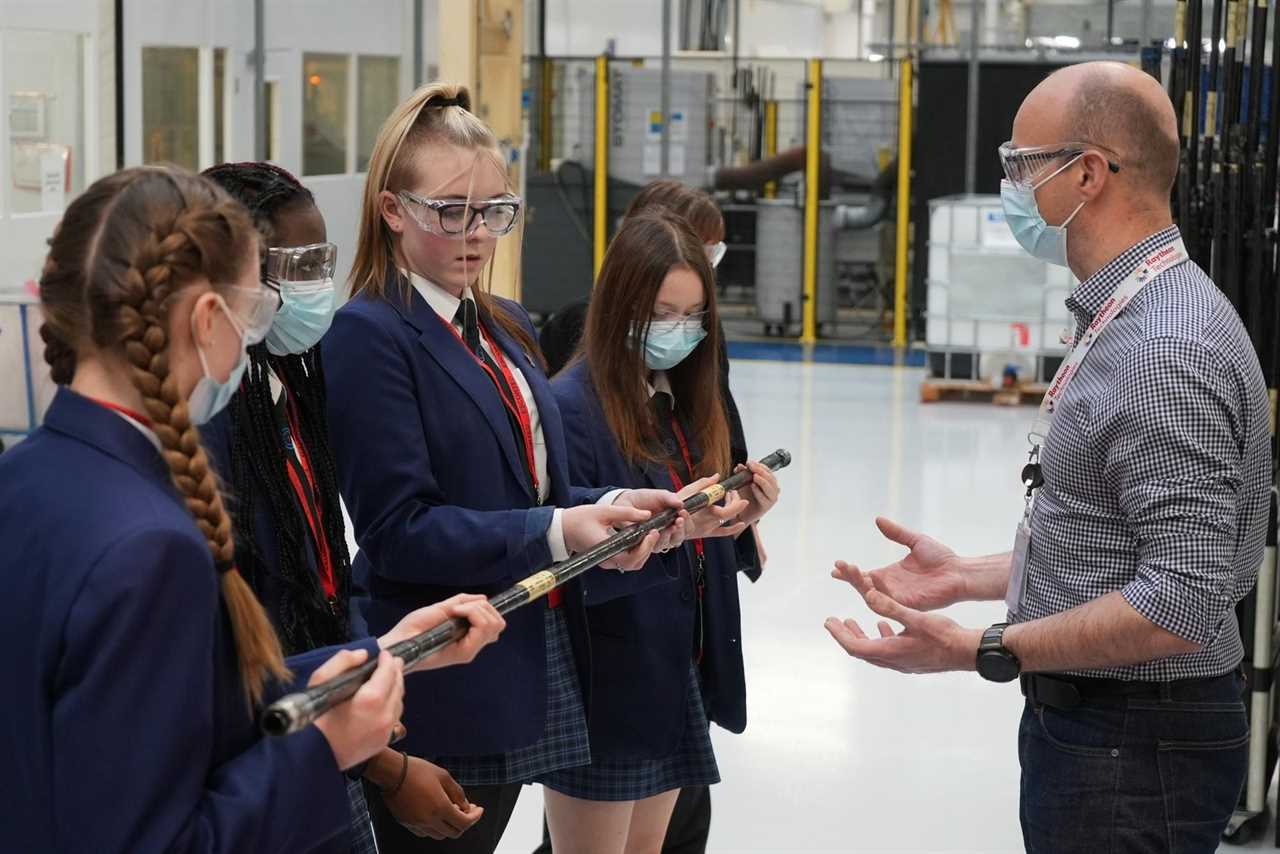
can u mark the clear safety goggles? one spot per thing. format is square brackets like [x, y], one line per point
[1028, 166]
[252, 311]
[453, 218]
[697, 318]
[301, 263]
[715, 253]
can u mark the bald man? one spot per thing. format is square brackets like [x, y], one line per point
[1147, 500]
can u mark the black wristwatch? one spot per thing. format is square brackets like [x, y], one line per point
[995, 663]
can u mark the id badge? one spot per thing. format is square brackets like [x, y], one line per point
[1018, 568]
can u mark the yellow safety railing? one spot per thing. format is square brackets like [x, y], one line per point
[771, 142]
[601, 207]
[904, 204]
[812, 190]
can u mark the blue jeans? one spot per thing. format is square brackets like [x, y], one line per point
[1155, 772]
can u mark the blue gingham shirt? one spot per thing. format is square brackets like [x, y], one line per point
[1158, 468]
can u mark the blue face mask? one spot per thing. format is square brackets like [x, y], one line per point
[306, 310]
[669, 342]
[1022, 213]
[210, 397]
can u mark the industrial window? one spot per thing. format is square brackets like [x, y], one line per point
[379, 94]
[170, 106]
[44, 95]
[324, 113]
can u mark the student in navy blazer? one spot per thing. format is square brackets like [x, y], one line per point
[139, 653]
[641, 408]
[452, 461]
[271, 448]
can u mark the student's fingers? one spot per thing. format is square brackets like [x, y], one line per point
[341, 662]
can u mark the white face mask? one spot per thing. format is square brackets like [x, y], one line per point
[1022, 213]
[209, 397]
[306, 310]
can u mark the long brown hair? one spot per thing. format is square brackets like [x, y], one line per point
[123, 253]
[647, 248]
[435, 114]
[692, 203]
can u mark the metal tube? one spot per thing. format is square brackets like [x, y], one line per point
[737, 30]
[904, 204]
[417, 43]
[1111, 20]
[1260, 701]
[664, 160]
[601, 205]
[259, 81]
[971, 119]
[812, 194]
[893, 15]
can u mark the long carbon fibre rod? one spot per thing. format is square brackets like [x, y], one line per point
[295, 711]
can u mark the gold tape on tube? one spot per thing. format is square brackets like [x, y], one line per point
[714, 493]
[539, 585]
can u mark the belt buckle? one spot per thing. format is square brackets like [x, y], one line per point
[1061, 695]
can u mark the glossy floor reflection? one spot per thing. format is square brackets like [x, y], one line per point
[838, 756]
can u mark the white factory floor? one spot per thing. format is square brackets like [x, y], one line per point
[839, 756]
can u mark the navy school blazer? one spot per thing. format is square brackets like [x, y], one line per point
[438, 496]
[124, 718]
[641, 638]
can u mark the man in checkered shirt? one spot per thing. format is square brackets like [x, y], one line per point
[1149, 525]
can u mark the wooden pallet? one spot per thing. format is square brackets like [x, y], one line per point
[934, 390]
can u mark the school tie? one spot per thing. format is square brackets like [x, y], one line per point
[663, 413]
[469, 319]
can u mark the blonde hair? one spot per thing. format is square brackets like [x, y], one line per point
[436, 114]
[123, 253]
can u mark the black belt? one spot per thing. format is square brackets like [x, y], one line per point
[1070, 692]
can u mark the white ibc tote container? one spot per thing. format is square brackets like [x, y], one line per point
[988, 298]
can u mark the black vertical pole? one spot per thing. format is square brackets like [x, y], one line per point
[119, 22]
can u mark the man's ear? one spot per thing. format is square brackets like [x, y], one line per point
[1094, 173]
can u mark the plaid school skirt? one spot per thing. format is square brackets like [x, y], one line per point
[564, 741]
[692, 763]
[361, 825]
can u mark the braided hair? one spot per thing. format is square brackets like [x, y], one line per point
[304, 617]
[125, 251]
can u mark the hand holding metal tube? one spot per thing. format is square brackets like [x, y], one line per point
[295, 711]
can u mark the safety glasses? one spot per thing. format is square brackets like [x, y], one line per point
[453, 218]
[715, 253]
[696, 319]
[301, 263]
[1027, 166]
[252, 311]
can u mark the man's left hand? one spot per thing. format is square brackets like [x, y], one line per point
[928, 643]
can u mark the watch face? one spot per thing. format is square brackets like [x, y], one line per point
[997, 667]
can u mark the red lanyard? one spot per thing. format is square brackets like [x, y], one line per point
[115, 407]
[688, 464]
[310, 503]
[516, 407]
